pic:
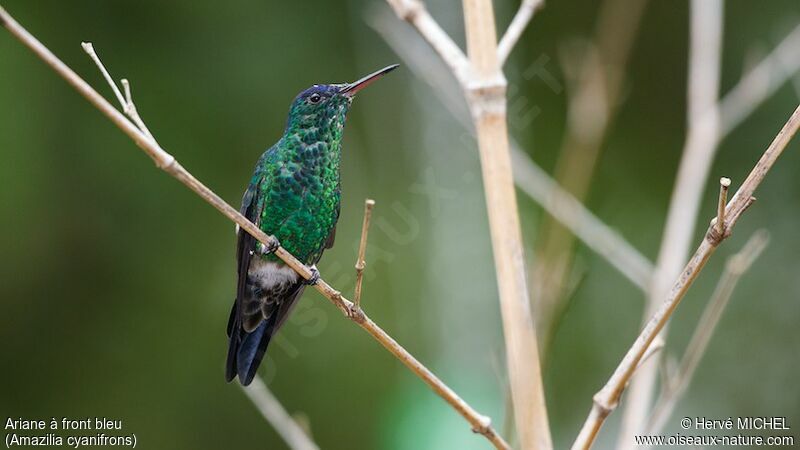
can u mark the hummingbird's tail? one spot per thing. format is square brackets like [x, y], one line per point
[246, 350]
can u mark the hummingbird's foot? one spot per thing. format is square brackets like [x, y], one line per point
[314, 276]
[265, 250]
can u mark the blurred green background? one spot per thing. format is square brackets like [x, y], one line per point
[116, 281]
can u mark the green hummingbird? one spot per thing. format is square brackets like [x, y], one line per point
[293, 195]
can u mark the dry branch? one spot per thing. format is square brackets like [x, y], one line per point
[675, 386]
[606, 400]
[166, 162]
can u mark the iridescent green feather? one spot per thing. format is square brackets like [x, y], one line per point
[298, 178]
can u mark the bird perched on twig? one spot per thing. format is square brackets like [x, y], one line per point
[294, 195]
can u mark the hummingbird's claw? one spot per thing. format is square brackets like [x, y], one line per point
[264, 250]
[314, 276]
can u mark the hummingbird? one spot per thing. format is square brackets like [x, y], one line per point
[293, 195]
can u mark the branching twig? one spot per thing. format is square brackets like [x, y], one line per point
[130, 109]
[126, 102]
[518, 24]
[606, 400]
[272, 410]
[167, 162]
[362, 250]
[675, 386]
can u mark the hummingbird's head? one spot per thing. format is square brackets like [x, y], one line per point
[324, 107]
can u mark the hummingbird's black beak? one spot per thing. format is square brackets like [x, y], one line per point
[351, 89]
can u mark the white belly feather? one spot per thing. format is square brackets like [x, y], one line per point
[267, 274]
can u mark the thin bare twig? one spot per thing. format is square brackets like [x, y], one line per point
[89, 49]
[528, 176]
[362, 250]
[675, 386]
[163, 160]
[514, 31]
[274, 413]
[606, 400]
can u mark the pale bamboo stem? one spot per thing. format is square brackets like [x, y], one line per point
[486, 97]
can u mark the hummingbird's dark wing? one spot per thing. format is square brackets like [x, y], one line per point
[243, 345]
[266, 293]
[331, 237]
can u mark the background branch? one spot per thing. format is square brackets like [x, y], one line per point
[522, 18]
[593, 100]
[674, 387]
[167, 162]
[606, 400]
[273, 412]
[415, 13]
[760, 83]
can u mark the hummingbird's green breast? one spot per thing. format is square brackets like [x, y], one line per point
[299, 179]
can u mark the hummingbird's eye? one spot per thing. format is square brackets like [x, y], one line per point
[314, 98]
